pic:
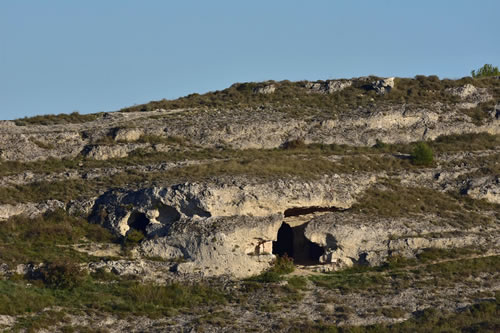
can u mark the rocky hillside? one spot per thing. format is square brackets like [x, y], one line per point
[339, 203]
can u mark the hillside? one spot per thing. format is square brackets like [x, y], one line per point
[367, 203]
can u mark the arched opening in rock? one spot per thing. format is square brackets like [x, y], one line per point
[293, 242]
[284, 243]
[138, 221]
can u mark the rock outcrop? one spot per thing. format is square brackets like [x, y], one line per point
[349, 238]
[383, 86]
[328, 87]
[267, 89]
[29, 209]
[228, 227]
[116, 135]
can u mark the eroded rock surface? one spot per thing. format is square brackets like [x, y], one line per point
[116, 135]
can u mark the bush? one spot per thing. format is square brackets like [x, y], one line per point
[134, 237]
[61, 275]
[485, 71]
[295, 144]
[283, 265]
[422, 154]
[280, 266]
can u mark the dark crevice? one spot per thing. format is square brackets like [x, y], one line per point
[297, 211]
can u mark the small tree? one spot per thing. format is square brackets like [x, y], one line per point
[486, 70]
[422, 154]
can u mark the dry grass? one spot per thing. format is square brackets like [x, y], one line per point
[393, 200]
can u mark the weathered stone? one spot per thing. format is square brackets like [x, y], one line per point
[383, 86]
[487, 188]
[128, 134]
[328, 87]
[267, 89]
[29, 209]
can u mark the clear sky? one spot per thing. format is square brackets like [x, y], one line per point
[91, 56]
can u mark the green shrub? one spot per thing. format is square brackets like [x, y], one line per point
[283, 265]
[134, 236]
[485, 71]
[280, 266]
[422, 154]
[61, 275]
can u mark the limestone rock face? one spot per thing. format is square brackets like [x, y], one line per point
[487, 188]
[29, 209]
[328, 87]
[228, 227]
[350, 238]
[470, 95]
[128, 134]
[115, 135]
[163, 206]
[106, 152]
[268, 89]
[383, 86]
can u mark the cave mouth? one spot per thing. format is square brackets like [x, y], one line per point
[291, 241]
[138, 221]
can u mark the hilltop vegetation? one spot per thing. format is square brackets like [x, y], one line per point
[294, 96]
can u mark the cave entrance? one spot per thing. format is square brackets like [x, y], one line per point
[138, 221]
[284, 243]
[293, 242]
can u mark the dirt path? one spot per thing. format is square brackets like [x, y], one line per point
[303, 271]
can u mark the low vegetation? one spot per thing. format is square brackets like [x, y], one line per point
[394, 200]
[295, 160]
[63, 118]
[420, 90]
[47, 238]
[126, 297]
[481, 317]
[450, 143]
[281, 266]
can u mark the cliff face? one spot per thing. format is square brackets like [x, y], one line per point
[265, 124]
[142, 148]
[222, 184]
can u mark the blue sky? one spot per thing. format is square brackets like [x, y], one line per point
[92, 56]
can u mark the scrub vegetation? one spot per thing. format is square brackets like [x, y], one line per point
[294, 160]
[414, 91]
[51, 119]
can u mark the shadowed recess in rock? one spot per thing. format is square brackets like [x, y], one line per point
[293, 243]
[298, 211]
[167, 214]
[138, 221]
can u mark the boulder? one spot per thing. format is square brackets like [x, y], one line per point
[328, 87]
[127, 134]
[383, 86]
[267, 89]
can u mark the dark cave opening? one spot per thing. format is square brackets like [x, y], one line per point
[284, 243]
[138, 221]
[297, 211]
[292, 242]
